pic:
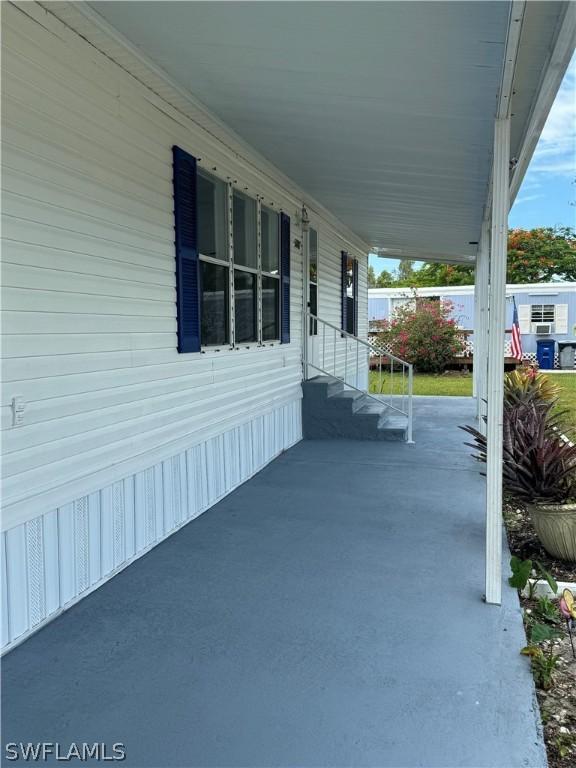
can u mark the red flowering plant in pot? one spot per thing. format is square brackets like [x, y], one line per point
[423, 332]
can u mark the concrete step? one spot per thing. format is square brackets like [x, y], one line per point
[331, 411]
[321, 387]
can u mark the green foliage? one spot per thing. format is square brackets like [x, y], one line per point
[543, 632]
[528, 384]
[547, 610]
[432, 274]
[540, 649]
[544, 660]
[384, 280]
[371, 277]
[423, 333]
[405, 273]
[541, 255]
[521, 572]
[537, 466]
[534, 256]
[565, 743]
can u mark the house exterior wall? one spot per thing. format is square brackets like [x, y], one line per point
[381, 304]
[123, 439]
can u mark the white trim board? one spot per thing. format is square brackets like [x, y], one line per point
[533, 289]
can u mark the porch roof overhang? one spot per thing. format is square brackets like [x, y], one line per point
[382, 112]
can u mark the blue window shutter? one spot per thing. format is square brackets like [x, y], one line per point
[344, 288]
[187, 264]
[285, 278]
[355, 274]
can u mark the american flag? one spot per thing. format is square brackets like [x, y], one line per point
[516, 345]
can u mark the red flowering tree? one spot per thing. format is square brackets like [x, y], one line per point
[541, 255]
[424, 333]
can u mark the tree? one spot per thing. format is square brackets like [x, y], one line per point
[384, 279]
[405, 273]
[538, 255]
[541, 255]
[432, 274]
[371, 277]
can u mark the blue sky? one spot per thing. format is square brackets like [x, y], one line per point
[550, 182]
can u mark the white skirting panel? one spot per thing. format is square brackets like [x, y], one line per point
[54, 560]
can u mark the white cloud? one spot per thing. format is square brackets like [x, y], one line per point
[527, 198]
[556, 150]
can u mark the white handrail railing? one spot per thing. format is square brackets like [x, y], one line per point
[338, 353]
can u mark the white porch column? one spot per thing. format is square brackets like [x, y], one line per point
[481, 293]
[495, 383]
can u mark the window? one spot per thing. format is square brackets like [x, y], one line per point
[244, 223]
[543, 313]
[214, 304]
[270, 308]
[245, 307]
[313, 280]
[270, 273]
[350, 294]
[212, 217]
[244, 226]
[270, 238]
[214, 261]
[232, 263]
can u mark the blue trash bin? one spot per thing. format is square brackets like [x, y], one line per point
[545, 353]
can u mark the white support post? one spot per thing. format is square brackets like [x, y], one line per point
[496, 332]
[481, 296]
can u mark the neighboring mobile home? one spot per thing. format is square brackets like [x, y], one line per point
[137, 393]
[546, 311]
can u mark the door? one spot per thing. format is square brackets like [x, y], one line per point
[311, 300]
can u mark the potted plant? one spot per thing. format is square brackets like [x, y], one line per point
[539, 462]
[539, 469]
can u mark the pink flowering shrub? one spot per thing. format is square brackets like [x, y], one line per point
[423, 333]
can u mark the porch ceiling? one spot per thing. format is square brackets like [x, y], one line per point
[383, 112]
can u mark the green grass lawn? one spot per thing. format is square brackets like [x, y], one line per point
[568, 395]
[425, 383]
[461, 384]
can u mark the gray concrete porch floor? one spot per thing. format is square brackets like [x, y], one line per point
[326, 613]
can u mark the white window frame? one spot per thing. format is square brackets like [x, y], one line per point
[231, 266]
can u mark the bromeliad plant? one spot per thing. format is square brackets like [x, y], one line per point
[524, 391]
[527, 384]
[539, 459]
[539, 465]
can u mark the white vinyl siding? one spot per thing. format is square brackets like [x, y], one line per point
[89, 323]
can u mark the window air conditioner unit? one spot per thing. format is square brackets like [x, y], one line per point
[543, 329]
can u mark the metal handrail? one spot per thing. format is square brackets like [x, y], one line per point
[401, 402]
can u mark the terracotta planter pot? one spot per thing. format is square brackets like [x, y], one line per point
[555, 525]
